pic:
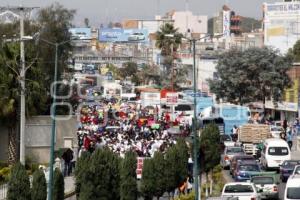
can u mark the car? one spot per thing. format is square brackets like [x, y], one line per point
[275, 131]
[228, 154]
[136, 37]
[266, 186]
[296, 170]
[245, 169]
[242, 190]
[292, 189]
[287, 168]
[274, 152]
[238, 158]
[225, 141]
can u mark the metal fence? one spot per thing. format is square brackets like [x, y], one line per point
[3, 191]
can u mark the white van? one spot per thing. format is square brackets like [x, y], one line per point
[292, 189]
[274, 152]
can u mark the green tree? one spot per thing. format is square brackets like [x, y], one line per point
[295, 52]
[182, 160]
[209, 150]
[130, 69]
[171, 169]
[54, 23]
[81, 169]
[148, 184]
[39, 186]
[87, 22]
[128, 184]
[18, 185]
[58, 185]
[255, 74]
[102, 177]
[159, 174]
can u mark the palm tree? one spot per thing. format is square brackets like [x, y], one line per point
[168, 39]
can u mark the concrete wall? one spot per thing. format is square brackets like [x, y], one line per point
[38, 137]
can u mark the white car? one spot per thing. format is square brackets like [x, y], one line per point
[296, 170]
[136, 37]
[292, 189]
[275, 131]
[242, 190]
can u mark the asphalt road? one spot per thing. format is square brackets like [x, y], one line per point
[229, 179]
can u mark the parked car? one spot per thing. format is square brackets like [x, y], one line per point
[274, 152]
[287, 168]
[245, 169]
[244, 191]
[238, 158]
[266, 186]
[275, 131]
[296, 170]
[292, 189]
[136, 37]
[228, 154]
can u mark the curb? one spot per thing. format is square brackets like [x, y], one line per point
[70, 194]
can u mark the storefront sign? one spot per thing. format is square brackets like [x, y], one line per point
[172, 98]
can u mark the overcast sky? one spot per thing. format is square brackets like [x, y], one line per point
[103, 11]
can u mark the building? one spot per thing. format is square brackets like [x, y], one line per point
[281, 24]
[226, 22]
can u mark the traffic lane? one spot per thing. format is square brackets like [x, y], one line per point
[228, 178]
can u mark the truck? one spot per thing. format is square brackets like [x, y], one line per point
[250, 136]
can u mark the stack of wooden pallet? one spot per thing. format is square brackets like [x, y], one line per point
[254, 133]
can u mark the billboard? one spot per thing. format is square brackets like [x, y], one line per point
[81, 33]
[226, 23]
[123, 35]
[281, 25]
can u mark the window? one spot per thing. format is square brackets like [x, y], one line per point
[263, 180]
[293, 193]
[251, 168]
[234, 150]
[238, 189]
[291, 163]
[278, 151]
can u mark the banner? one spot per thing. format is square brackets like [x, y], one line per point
[81, 33]
[123, 35]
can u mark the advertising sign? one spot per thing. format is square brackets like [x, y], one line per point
[123, 35]
[80, 33]
[226, 23]
[172, 98]
[150, 98]
[281, 25]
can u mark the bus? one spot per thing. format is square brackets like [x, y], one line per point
[219, 121]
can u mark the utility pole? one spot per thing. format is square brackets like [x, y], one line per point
[20, 12]
[22, 83]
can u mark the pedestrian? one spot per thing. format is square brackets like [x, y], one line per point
[67, 157]
[290, 139]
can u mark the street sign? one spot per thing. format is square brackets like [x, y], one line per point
[172, 98]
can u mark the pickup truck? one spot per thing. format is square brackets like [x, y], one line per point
[242, 190]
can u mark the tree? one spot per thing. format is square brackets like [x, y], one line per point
[18, 185]
[36, 95]
[295, 52]
[128, 184]
[159, 174]
[255, 74]
[209, 148]
[39, 186]
[148, 184]
[54, 22]
[130, 69]
[169, 45]
[102, 177]
[182, 160]
[171, 169]
[81, 169]
[58, 185]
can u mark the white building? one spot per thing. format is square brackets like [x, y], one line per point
[184, 20]
[281, 24]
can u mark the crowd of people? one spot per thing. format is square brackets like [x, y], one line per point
[124, 127]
